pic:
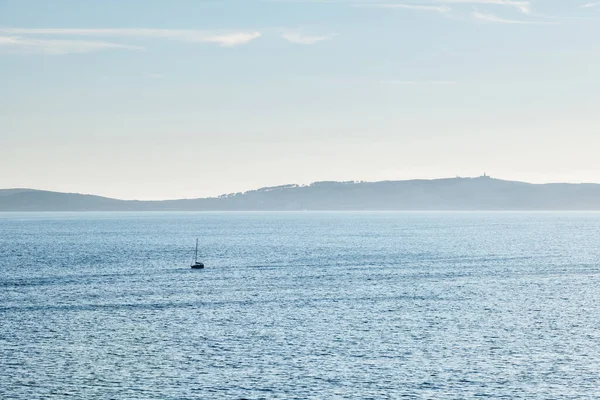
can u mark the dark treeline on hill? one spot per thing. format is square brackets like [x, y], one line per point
[458, 194]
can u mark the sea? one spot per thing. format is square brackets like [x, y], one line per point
[300, 305]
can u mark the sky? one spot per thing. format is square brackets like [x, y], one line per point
[160, 99]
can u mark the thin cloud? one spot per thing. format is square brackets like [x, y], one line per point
[590, 5]
[523, 6]
[18, 44]
[303, 39]
[430, 5]
[493, 18]
[439, 9]
[411, 83]
[232, 39]
[228, 39]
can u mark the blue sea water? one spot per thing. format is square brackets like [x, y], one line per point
[300, 305]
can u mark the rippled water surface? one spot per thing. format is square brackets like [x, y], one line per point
[300, 305]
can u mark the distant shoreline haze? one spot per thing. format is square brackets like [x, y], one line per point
[451, 194]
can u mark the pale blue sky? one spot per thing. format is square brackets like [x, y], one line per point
[157, 99]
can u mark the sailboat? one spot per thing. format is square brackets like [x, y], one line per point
[196, 264]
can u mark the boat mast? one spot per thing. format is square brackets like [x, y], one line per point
[196, 256]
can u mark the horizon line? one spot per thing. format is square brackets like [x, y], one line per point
[300, 185]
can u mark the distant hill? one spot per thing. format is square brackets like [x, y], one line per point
[6, 192]
[483, 193]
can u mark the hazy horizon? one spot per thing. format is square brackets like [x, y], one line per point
[188, 99]
[298, 184]
[97, 193]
